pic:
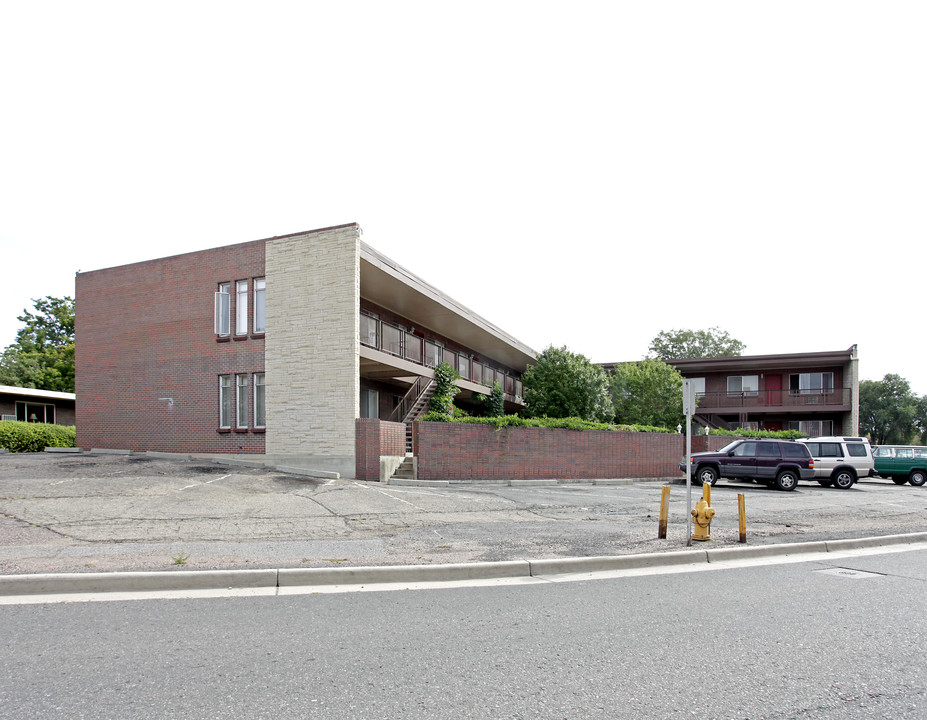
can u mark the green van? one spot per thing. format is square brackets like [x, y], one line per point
[901, 463]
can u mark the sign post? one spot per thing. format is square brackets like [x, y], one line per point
[688, 409]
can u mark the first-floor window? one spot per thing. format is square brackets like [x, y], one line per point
[813, 428]
[225, 401]
[259, 418]
[241, 401]
[370, 403]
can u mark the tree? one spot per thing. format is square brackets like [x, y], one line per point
[647, 393]
[889, 412]
[563, 384]
[43, 355]
[683, 344]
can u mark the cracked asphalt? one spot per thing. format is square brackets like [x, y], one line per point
[94, 512]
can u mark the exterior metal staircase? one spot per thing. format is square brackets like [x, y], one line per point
[414, 404]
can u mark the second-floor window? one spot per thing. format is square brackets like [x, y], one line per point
[260, 305]
[223, 308]
[241, 307]
[811, 383]
[743, 385]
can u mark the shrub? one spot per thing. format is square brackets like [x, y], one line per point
[442, 401]
[35, 437]
[573, 423]
[777, 434]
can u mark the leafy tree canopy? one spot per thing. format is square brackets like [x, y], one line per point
[647, 393]
[683, 344]
[43, 355]
[889, 413]
[563, 384]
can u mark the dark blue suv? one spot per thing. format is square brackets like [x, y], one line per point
[778, 463]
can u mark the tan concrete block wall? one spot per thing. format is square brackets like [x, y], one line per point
[311, 359]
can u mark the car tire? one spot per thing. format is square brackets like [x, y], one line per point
[706, 475]
[826, 483]
[917, 478]
[843, 479]
[787, 480]
[899, 480]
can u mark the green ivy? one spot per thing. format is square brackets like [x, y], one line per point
[442, 400]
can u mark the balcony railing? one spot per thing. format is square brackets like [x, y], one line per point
[772, 399]
[395, 341]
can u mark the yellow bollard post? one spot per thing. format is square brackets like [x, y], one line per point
[664, 512]
[706, 492]
[742, 513]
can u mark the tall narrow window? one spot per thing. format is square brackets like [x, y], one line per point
[241, 307]
[225, 401]
[260, 305]
[222, 309]
[259, 420]
[370, 403]
[241, 401]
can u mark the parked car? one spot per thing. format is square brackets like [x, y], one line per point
[778, 463]
[840, 461]
[901, 463]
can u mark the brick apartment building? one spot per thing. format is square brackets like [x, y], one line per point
[272, 347]
[816, 393]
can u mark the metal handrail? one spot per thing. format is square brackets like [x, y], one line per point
[408, 400]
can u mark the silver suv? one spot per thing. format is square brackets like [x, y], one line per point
[840, 461]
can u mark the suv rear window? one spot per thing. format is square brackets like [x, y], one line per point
[794, 450]
[856, 449]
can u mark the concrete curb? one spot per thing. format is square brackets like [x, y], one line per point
[281, 579]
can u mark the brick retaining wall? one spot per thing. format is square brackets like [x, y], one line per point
[461, 452]
[374, 439]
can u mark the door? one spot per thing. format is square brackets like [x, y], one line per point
[773, 389]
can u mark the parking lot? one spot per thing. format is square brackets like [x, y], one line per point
[86, 512]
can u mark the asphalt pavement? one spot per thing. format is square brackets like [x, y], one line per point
[92, 513]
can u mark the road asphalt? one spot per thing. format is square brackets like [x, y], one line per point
[103, 522]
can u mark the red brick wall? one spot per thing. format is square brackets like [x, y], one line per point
[374, 438]
[145, 332]
[459, 452]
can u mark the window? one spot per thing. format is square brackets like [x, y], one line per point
[813, 428]
[856, 450]
[241, 401]
[699, 385]
[413, 349]
[747, 449]
[370, 403]
[882, 452]
[476, 371]
[223, 306]
[793, 450]
[434, 354]
[463, 366]
[35, 412]
[241, 307]
[259, 419]
[747, 385]
[767, 449]
[260, 305]
[225, 401]
[811, 383]
[392, 339]
[368, 330]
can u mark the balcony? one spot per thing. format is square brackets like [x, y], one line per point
[426, 352]
[835, 400]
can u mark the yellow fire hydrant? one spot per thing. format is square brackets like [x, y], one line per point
[702, 516]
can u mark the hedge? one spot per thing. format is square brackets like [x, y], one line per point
[35, 437]
[546, 422]
[778, 434]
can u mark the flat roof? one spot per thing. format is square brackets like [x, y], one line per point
[32, 392]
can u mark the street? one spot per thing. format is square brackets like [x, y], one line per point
[828, 640]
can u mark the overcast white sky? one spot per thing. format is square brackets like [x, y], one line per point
[579, 173]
